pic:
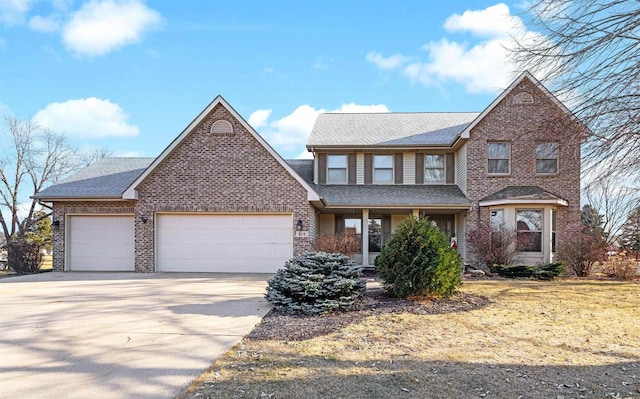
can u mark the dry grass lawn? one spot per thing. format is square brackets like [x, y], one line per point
[563, 339]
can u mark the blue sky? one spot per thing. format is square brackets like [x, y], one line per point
[130, 75]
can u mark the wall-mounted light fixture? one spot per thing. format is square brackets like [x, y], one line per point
[56, 224]
[144, 219]
[299, 225]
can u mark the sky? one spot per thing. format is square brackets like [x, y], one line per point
[130, 75]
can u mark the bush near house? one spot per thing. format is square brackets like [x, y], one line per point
[316, 283]
[492, 245]
[24, 256]
[543, 272]
[347, 244]
[417, 260]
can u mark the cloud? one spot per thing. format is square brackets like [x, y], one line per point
[103, 26]
[87, 118]
[391, 62]
[290, 133]
[13, 12]
[259, 118]
[44, 24]
[482, 67]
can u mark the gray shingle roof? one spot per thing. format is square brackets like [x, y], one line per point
[106, 178]
[411, 128]
[382, 195]
[521, 193]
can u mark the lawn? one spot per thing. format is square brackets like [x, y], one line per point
[526, 339]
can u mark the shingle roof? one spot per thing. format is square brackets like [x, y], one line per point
[411, 128]
[106, 178]
[382, 195]
[521, 193]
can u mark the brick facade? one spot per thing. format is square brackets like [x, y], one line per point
[217, 173]
[524, 125]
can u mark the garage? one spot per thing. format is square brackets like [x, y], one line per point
[235, 243]
[100, 243]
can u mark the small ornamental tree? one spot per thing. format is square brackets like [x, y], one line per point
[316, 283]
[417, 260]
[492, 245]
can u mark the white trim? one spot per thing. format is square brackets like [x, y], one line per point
[346, 169]
[393, 169]
[508, 201]
[526, 74]
[131, 192]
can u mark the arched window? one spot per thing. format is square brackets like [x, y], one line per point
[222, 128]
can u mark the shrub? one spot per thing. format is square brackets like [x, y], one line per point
[316, 283]
[24, 256]
[347, 244]
[543, 272]
[622, 266]
[492, 246]
[583, 254]
[417, 260]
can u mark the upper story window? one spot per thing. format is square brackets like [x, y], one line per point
[336, 169]
[529, 230]
[434, 169]
[499, 158]
[222, 128]
[547, 158]
[383, 169]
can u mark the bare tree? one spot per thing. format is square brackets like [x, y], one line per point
[588, 51]
[31, 158]
[613, 201]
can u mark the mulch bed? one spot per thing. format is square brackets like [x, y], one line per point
[277, 325]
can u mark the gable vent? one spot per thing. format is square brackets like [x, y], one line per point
[222, 128]
[523, 98]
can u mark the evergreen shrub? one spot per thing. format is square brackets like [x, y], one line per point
[316, 283]
[418, 260]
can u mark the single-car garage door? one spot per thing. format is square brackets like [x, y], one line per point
[100, 243]
[242, 243]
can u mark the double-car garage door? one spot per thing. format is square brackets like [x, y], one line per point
[235, 243]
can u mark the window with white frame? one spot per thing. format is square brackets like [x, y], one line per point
[498, 158]
[337, 169]
[529, 230]
[553, 230]
[434, 168]
[497, 226]
[547, 158]
[383, 169]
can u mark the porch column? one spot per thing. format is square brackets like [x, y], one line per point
[365, 237]
[416, 213]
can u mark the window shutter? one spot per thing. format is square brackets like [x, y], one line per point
[420, 168]
[322, 168]
[368, 168]
[398, 168]
[450, 168]
[351, 173]
[339, 224]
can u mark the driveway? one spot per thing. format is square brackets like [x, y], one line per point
[119, 335]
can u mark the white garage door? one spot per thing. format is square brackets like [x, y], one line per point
[101, 243]
[251, 243]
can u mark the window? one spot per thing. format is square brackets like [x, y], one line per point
[222, 128]
[497, 226]
[337, 169]
[375, 235]
[498, 155]
[383, 169]
[553, 231]
[547, 158]
[529, 230]
[434, 169]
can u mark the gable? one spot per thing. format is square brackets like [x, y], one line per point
[219, 144]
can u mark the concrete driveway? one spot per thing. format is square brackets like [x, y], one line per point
[119, 335]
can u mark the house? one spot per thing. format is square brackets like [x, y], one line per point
[220, 199]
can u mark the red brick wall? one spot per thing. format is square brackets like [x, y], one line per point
[524, 125]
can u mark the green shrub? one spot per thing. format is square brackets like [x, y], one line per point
[543, 272]
[316, 283]
[417, 260]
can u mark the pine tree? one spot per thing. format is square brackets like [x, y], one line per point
[630, 237]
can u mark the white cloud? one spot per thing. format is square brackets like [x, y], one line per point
[88, 118]
[259, 118]
[391, 62]
[102, 26]
[305, 155]
[290, 133]
[13, 12]
[44, 24]
[483, 66]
